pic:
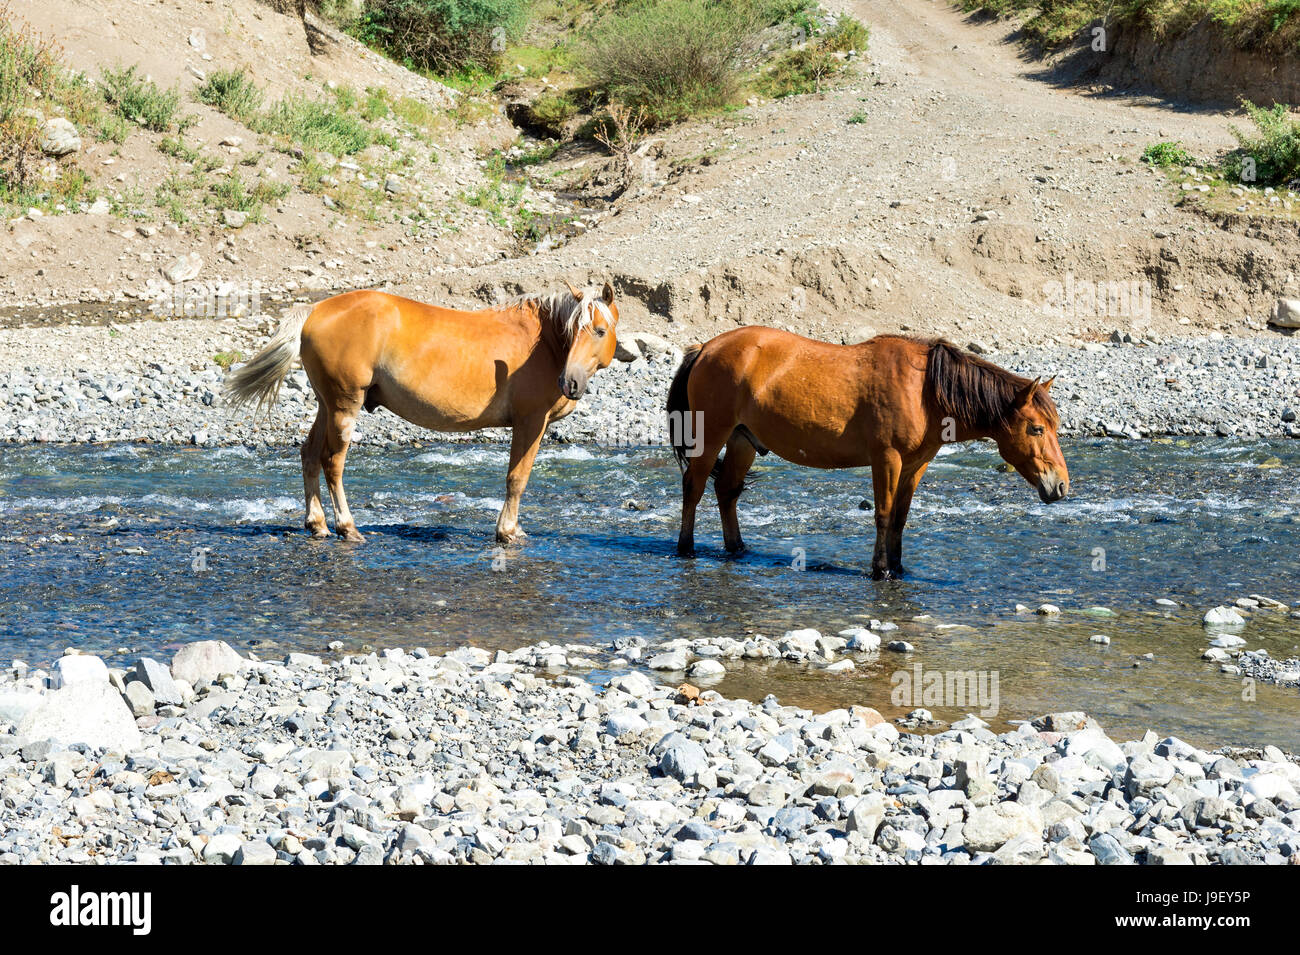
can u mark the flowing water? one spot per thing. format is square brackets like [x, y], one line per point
[122, 549]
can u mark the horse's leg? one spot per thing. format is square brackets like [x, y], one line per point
[338, 436]
[907, 484]
[312, 449]
[695, 481]
[886, 469]
[524, 442]
[728, 485]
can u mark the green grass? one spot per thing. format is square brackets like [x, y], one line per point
[233, 92]
[317, 124]
[225, 359]
[143, 101]
[1270, 154]
[502, 200]
[672, 58]
[533, 157]
[1270, 25]
[806, 69]
[1166, 154]
[552, 110]
[34, 85]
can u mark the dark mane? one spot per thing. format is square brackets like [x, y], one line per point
[977, 393]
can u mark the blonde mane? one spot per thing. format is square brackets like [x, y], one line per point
[569, 315]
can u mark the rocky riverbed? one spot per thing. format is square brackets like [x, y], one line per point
[97, 386]
[474, 757]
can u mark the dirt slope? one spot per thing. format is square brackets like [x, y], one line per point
[303, 242]
[945, 189]
[967, 188]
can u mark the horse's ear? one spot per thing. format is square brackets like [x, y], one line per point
[1047, 385]
[607, 294]
[1026, 394]
[577, 295]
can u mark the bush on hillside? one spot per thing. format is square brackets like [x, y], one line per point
[442, 36]
[34, 85]
[1271, 153]
[671, 58]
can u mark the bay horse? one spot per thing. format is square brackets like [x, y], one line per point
[521, 365]
[889, 403]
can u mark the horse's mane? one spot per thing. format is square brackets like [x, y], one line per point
[568, 315]
[975, 392]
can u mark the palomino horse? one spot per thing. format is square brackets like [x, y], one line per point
[521, 365]
[890, 403]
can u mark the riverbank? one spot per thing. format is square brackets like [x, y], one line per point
[158, 382]
[480, 758]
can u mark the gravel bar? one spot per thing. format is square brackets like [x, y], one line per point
[474, 757]
[1244, 387]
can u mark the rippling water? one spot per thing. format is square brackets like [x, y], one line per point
[1199, 522]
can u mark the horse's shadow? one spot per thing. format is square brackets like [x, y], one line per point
[542, 541]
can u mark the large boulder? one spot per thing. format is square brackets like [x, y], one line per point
[991, 827]
[90, 713]
[159, 680]
[651, 345]
[1286, 313]
[78, 668]
[206, 661]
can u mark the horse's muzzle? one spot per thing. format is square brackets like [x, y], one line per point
[573, 382]
[1052, 488]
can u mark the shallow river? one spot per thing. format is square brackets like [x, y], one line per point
[122, 549]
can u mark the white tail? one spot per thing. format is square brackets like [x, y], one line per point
[259, 378]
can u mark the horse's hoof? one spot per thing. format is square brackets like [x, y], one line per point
[514, 537]
[351, 535]
[318, 533]
[737, 551]
[685, 551]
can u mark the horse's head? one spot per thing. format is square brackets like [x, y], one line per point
[592, 339]
[1027, 441]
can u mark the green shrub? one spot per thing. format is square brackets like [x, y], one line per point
[1251, 24]
[34, 83]
[847, 35]
[317, 125]
[1166, 154]
[1273, 149]
[233, 92]
[142, 101]
[804, 69]
[671, 57]
[552, 110]
[442, 36]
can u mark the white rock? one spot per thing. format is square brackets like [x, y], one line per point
[1223, 617]
[59, 137]
[706, 670]
[1228, 641]
[87, 712]
[205, 661]
[1285, 313]
[78, 668]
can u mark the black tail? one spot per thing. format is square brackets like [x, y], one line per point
[679, 406]
[681, 424]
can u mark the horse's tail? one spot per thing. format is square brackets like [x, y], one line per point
[259, 378]
[679, 406]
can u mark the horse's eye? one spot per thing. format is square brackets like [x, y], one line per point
[600, 331]
[1035, 429]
